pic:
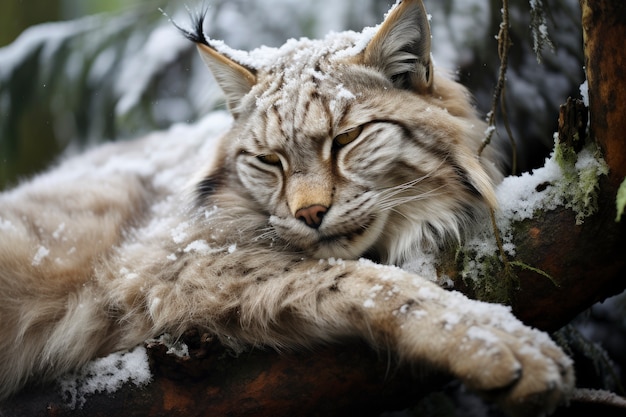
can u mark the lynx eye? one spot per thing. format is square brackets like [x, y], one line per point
[347, 137]
[270, 159]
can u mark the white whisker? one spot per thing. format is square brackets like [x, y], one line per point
[390, 201]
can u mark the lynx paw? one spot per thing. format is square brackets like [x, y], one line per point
[520, 368]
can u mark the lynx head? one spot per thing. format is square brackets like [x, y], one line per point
[352, 144]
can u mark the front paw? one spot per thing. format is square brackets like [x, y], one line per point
[520, 368]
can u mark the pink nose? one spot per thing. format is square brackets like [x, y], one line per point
[312, 215]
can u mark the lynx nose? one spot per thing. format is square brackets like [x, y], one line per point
[312, 215]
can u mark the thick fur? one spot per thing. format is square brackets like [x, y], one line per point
[174, 231]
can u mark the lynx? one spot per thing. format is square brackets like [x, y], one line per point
[345, 156]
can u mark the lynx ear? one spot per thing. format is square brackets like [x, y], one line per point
[401, 47]
[234, 79]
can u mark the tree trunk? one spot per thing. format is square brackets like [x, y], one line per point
[604, 30]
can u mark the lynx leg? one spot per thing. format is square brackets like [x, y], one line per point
[482, 344]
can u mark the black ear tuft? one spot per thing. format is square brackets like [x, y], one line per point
[196, 33]
[235, 79]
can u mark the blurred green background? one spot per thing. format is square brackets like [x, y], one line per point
[17, 15]
[28, 133]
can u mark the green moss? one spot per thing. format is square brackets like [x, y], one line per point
[581, 173]
[566, 158]
[537, 271]
[490, 280]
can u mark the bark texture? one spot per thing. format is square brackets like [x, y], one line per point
[331, 381]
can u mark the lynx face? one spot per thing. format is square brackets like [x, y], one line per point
[352, 144]
[322, 158]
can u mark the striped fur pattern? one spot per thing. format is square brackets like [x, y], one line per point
[339, 148]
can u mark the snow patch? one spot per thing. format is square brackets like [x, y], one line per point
[175, 346]
[484, 335]
[584, 93]
[106, 375]
[124, 272]
[344, 93]
[369, 303]
[424, 265]
[333, 262]
[360, 43]
[426, 293]
[6, 225]
[179, 233]
[200, 246]
[372, 294]
[450, 319]
[57, 233]
[42, 253]
[419, 314]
